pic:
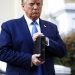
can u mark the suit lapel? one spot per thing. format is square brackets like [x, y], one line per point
[26, 32]
[43, 27]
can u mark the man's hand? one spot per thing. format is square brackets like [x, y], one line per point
[35, 60]
[36, 35]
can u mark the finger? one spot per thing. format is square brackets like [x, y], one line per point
[40, 34]
[42, 62]
[37, 55]
[38, 62]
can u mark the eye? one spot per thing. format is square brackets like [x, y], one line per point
[38, 4]
[31, 4]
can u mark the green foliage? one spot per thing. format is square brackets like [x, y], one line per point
[69, 59]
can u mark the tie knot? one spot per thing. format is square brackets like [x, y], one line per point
[34, 23]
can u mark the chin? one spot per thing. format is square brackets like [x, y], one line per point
[35, 17]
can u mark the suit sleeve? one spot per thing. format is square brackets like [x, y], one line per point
[56, 46]
[8, 54]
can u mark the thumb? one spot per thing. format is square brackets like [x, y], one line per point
[37, 55]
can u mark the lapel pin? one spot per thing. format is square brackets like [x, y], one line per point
[44, 25]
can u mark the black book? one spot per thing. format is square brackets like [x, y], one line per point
[39, 47]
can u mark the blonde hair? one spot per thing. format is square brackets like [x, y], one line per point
[23, 1]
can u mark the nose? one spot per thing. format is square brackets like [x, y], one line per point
[35, 6]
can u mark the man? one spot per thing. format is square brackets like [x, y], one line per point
[16, 42]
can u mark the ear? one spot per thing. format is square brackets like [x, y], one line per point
[22, 6]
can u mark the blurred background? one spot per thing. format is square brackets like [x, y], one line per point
[59, 12]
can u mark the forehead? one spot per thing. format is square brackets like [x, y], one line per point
[33, 1]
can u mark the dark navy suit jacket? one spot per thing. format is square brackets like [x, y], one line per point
[16, 47]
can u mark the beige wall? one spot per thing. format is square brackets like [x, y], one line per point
[69, 1]
[6, 10]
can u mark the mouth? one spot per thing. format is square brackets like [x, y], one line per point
[35, 12]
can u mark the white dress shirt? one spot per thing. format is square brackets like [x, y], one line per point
[29, 21]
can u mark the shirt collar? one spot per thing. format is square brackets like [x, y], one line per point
[29, 21]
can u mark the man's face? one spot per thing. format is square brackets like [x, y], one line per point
[32, 8]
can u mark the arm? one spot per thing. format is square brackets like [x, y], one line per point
[56, 45]
[8, 54]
